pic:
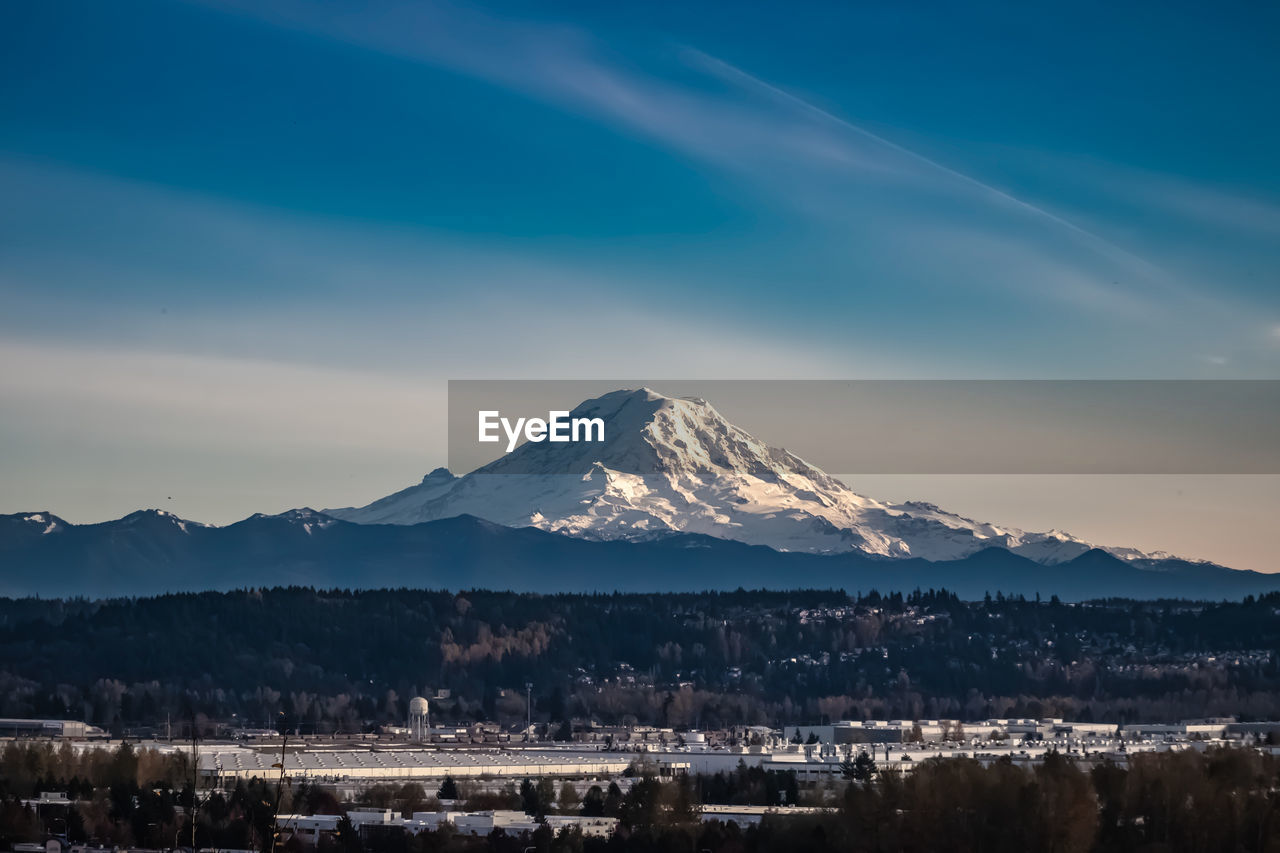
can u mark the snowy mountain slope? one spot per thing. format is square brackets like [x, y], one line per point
[675, 465]
[21, 529]
[402, 506]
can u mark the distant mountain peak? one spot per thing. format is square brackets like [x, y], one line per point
[305, 517]
[305, 513]
[676, 465]
[33, 523]
[157, 517]
[439, 475]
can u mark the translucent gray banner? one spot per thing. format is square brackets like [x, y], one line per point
[883, 426]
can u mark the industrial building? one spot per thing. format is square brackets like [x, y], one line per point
[426, 765]
[927, 731]
[12, 727]
[309, 829]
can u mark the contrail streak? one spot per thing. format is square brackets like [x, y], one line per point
[731, 72]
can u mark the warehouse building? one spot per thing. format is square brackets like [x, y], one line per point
[428, 766]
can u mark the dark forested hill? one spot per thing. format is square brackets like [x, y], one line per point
[345, 660]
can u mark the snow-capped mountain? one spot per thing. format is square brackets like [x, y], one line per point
[45, 522]
[675, 465]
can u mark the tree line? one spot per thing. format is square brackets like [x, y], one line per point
[341, 661]
[1220, 799]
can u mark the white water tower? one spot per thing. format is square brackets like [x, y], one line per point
[419, 719]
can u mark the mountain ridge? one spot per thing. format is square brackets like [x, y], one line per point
[123, 559]
[677, 499]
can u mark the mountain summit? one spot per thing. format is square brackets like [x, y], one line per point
[675, 465]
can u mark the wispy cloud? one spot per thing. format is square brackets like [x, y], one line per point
[788, 148]
[1215, 207]
[277, 286]
[568, 68]
[736, 75]
[1125, 277]
[218, 402]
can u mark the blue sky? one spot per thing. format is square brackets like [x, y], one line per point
[245, 243]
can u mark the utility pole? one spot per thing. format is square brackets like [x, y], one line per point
[528, 708]
[195, 777]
